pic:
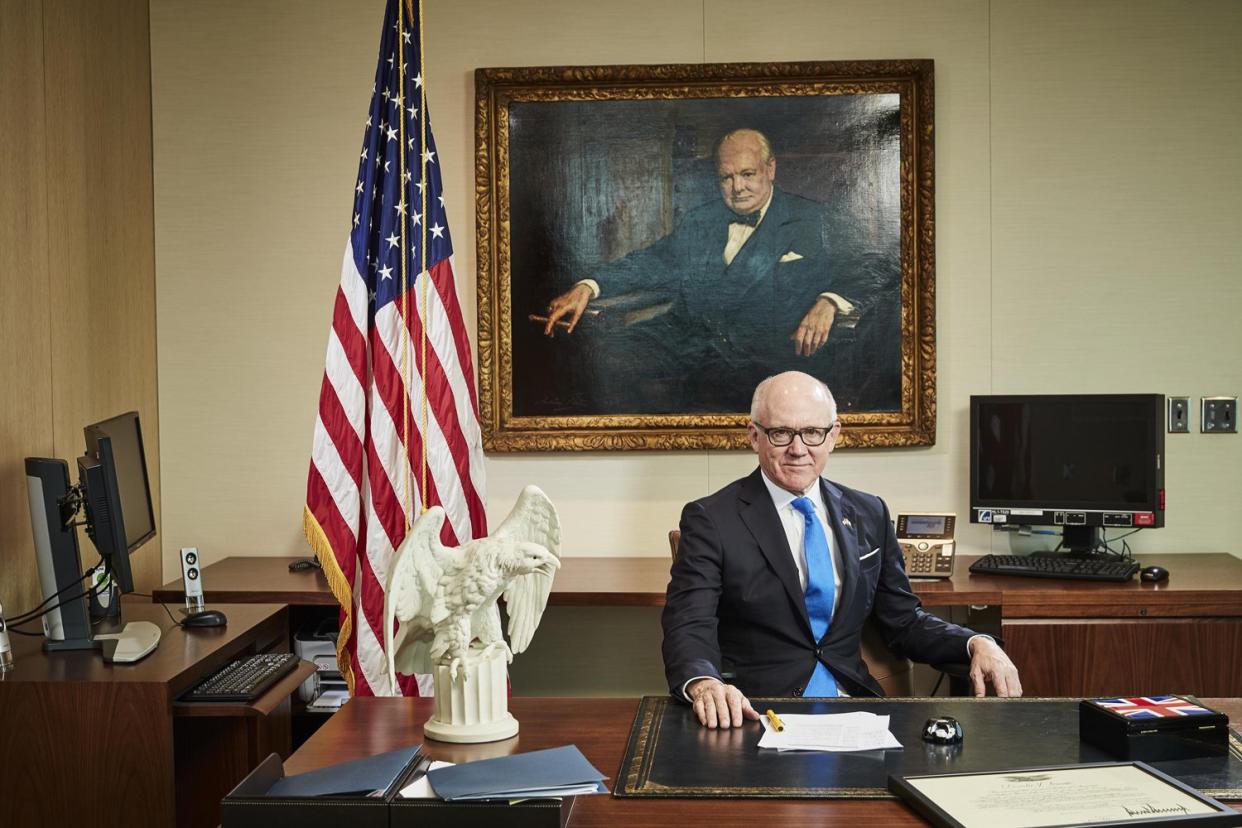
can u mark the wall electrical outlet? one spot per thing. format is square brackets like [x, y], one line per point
[1218, 415]
[1179, 415]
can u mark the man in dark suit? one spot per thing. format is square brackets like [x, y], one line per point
[769, 561]
[752, 286]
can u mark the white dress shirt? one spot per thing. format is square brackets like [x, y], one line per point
[795, 526]
[740, 231]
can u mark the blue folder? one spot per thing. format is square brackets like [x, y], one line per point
[357, 778]
[522, 775]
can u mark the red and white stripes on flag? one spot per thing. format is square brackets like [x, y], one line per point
[397, 429]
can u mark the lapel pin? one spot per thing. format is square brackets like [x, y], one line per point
[846, 522]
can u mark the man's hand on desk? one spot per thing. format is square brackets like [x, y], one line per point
[988, 663]
[720, 705]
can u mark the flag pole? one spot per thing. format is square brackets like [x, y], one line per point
[406, 373]
[422, 191]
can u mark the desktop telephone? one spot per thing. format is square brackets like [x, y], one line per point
[926, 541]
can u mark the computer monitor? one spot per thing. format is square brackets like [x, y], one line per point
[1083, 462]
[119, 513]
[66, 622]
[114, 489]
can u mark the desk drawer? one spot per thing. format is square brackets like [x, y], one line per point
[1120, 657]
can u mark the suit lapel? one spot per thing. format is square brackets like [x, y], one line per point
[844, 534]
[759, 515]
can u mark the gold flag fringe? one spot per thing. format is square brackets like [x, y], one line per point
[340, 587]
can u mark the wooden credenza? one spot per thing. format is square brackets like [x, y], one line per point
[109, 745]
[1068, 638]
[1084, 638]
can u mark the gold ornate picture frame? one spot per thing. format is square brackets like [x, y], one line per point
[616, 178]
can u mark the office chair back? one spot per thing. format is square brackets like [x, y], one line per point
[893, 673]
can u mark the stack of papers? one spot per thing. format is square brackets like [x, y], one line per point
[329, 700]
[562, 771]
[839, 732]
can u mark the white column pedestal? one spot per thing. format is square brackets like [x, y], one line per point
[475, 708]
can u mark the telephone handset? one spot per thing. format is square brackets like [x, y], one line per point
[926, 540]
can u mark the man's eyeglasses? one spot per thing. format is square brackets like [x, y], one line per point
[811, 436]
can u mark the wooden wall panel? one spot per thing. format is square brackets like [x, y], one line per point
[26, 404]
[101, 255]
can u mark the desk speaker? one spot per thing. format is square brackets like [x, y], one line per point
[192, 579]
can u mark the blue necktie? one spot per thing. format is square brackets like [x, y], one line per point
[819, 591]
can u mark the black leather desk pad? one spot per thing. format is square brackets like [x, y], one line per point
[670, 755]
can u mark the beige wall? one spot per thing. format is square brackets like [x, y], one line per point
[77, 268]
[1087, 168]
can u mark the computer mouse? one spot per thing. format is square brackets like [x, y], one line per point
[206, 618]
[1153, 573]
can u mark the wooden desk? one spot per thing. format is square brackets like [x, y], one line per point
[106, 744]
[599, 727]
[1069, 638]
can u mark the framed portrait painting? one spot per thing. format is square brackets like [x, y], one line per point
[655, 240]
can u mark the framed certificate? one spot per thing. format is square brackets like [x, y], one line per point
[1061, 796]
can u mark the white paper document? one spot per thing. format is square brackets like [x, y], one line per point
[840, 732]
[329, 700]
[420, 788]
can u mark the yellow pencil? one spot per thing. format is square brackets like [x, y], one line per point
[775, 720]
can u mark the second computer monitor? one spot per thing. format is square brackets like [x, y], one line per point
[1082, 462]
[120, 515]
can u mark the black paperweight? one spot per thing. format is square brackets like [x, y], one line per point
[942, 730]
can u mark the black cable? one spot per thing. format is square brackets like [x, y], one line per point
[40, 611]
[91, 593]
[1103, 548]
[1125, 553]
[171, 616]
[938, 683]
[23, 617]
[23, 632]
[165, 606]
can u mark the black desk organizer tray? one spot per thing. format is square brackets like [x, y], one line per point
[533, 813]
[670, 755]
[248, 806]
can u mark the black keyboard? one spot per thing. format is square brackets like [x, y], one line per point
[245, 679]
[1079, 569]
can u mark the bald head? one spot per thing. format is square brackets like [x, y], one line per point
[789, 386]
[745, 170]
[746, 138]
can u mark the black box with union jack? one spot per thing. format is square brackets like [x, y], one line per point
[1153, 728]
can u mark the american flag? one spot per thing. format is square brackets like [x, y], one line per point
[1152, 707]
[397, 430]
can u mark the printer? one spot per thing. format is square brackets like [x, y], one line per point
[325, 690]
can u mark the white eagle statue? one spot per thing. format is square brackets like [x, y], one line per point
[444, 599]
